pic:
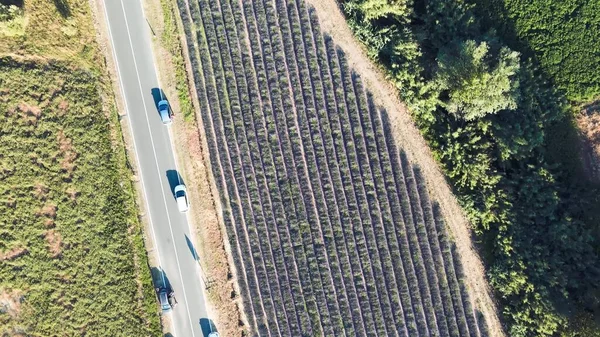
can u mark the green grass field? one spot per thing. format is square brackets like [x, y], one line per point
[72, 258]
[53, 29]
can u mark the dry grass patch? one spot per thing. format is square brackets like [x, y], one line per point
[72, 193]
[48, 210]
[30, 110]
[40, 191]
[63, 105]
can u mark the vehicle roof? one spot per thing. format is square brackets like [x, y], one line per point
[179, 188]
[182, 203]
[164, 299]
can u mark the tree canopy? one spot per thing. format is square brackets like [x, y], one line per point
[475, 82]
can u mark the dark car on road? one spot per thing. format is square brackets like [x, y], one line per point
[166, 298]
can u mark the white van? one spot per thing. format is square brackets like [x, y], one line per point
[181, 198]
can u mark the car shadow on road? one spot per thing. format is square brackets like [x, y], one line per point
[207, 326]
[174, 179]
[192, 248]
[158, 95]
[160, 279]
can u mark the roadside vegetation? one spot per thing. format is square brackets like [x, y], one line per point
[72, 259]
[170, 40]
[491, 116]
[331, 228]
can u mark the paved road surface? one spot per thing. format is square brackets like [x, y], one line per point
[130, 37]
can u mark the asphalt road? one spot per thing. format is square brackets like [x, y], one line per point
[130, 38]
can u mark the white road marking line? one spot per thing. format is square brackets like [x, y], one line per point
[153, 149]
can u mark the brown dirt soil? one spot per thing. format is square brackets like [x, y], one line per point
[588, 122]
[10, 302]
[49, 223]
[40, 191]
[48, 210]
[54, 240]
[30, 110]
[13, 253]
[410, 140]
[191, 150]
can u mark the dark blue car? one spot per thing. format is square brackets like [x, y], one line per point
[166, 298]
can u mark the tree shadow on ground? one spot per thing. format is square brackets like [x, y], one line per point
[63, 8]
[18, 3]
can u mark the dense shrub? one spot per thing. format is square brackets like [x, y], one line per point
[563, 36]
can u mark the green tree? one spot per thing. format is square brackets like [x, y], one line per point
[474, 82]
[377, 9]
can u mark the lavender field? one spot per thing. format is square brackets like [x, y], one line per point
[331, 227]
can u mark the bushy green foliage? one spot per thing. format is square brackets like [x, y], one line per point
[564, 36]
[475, 89]
[379, 9]
[68, 228]
[12, 21]
[539, 251]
